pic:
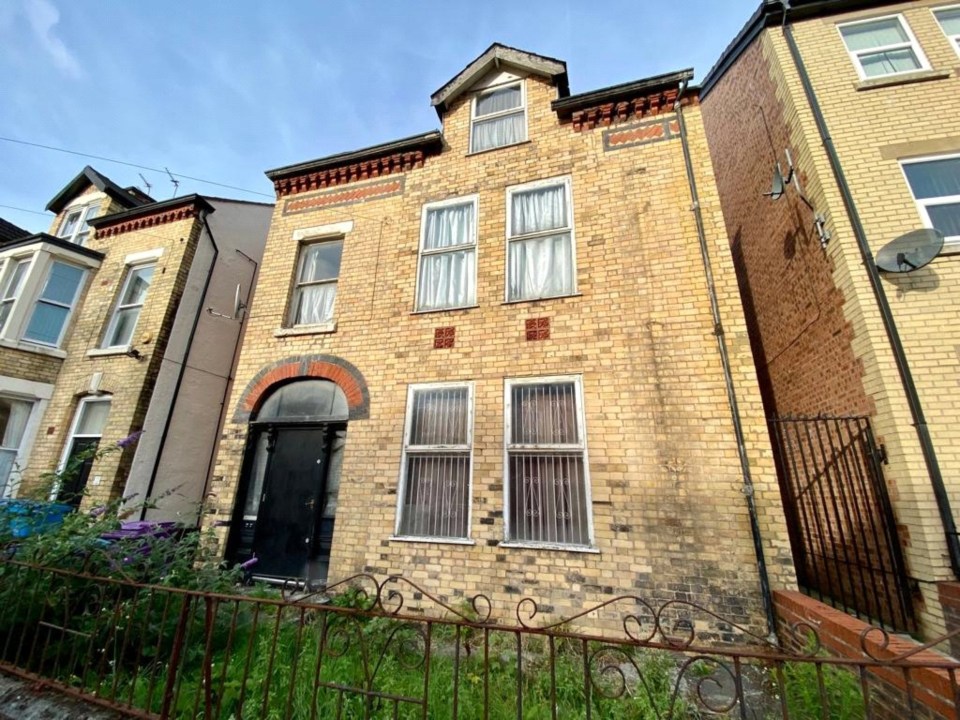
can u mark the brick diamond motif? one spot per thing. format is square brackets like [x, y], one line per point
[443, 337]
[538, 328]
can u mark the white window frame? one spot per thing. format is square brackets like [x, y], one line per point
[581, 447]
[571, 228]
[39, 395]
[954, 39]
[462, 200]
[952, 242]
[71, 307]
[72, 435]
[911, 43]
[503, 113]
[117, 307]
[464, 450]
[7, 297]
[302, 247]
[85, 215]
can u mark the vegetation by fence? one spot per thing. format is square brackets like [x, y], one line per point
[369, 648]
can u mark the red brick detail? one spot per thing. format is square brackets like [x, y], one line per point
[627, 110]
[354, 172]
[538, 328]
[443, 337]
[291, 370]
[146, 221]
[840, 636]
[647, 132]
[343, 197]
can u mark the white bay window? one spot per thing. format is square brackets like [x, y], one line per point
[540, 247]
[448, 255]
[75, 227]
[435, 476]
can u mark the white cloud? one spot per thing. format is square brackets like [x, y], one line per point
[43, 18]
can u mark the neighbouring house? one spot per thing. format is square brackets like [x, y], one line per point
[125, 319]
[507, 358]
[10, 232]
[834, 129]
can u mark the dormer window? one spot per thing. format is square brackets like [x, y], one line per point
[74, 227]
[499, 117]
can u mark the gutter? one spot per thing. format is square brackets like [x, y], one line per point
[886, 315]
[748, 489]
[183, 368]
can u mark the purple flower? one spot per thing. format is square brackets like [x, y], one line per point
[98, 511]
[249, 563]
[129, 439]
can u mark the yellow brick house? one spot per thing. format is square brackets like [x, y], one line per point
[124, 320]
[507, 358]
[855, 107]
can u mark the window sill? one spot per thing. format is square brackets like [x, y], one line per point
[432, 540]
[31, 348]
[589, 549]
[319, 329]
[902, 79]
[106, 352]
[542, 299]
[499, 147]
[442, 310]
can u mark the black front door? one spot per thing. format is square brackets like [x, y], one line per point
[77, 470]
[290, 502]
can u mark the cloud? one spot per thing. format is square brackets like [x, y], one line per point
[43, 18]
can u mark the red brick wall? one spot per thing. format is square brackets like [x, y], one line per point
[931, 693]
[801, 340]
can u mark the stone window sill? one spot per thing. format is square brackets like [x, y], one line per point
[432, 541]
[542, 299]
[319, 329]
[589, 549]
[442, 310]
[902, 79]
[499, 147]
[31, 348]
[106, 352]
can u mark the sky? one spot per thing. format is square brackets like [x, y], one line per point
[223, 90]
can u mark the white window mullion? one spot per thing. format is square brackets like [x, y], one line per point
[447, 263]
[130, 301]
[315, 290]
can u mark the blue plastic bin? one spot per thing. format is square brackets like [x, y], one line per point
[24, 518]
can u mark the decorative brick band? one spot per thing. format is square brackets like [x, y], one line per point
[625, 110]
[354, 172]
[147, 221]
[645, 133]
[322, 367]
[333, 198]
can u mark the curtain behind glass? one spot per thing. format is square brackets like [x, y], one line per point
[13, 421]
[315, 304]
[447, 279]
[538, 210]
[497, 132]
[936, 178]
[507, 98]
[448, 227]
[540, 267]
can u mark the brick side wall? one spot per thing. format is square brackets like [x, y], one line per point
[669, 515]
[831, 300]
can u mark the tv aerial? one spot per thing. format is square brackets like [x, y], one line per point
[911, 251]
[238, 306]
[779, 188]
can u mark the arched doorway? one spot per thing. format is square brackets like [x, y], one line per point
[286, 508]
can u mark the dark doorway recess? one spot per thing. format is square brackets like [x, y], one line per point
[286, 509]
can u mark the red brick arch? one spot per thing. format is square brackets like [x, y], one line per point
[321, 367]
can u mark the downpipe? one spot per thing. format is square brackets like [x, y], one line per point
[748, 488]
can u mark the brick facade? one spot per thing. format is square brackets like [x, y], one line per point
[815, 324]
[669, 517]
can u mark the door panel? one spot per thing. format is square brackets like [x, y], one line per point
[289, 504]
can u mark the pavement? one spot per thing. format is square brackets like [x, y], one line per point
[24, 700]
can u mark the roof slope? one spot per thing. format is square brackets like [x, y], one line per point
[129, 197]
[10, 232]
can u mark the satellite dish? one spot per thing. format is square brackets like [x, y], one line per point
[779, 184]
[910, 251]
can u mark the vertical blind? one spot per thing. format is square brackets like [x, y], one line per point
[448, 258]
[435, 500]
[547, 486]
[936, 185]
[882, 47]
[54, 304]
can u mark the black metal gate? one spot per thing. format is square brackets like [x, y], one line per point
[842, 529]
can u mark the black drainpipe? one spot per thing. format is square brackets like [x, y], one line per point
[748, 489]
[183, 366]
[889, 324]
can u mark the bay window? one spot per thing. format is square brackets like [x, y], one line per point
[75, 227]
[54, 304]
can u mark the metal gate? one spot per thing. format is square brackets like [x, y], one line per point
[842, 529]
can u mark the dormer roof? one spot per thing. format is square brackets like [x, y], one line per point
[128, 197]
[494, 57]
